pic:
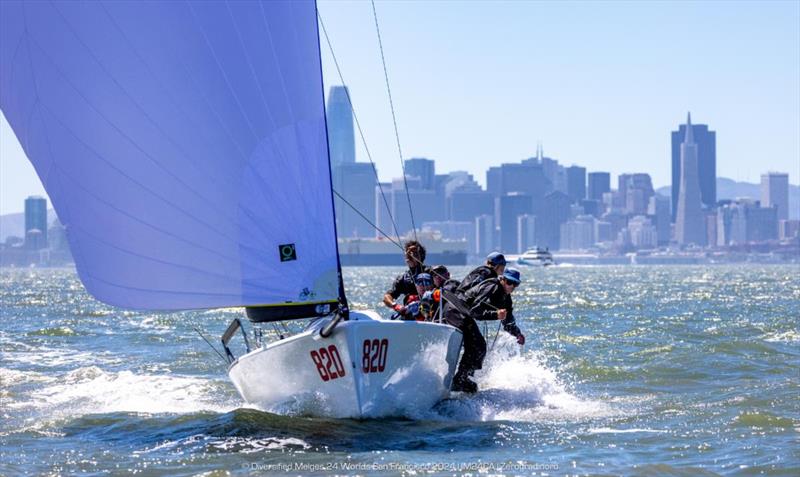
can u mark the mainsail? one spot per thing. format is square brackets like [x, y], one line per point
[183, 145]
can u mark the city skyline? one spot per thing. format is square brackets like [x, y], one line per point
[473, 100]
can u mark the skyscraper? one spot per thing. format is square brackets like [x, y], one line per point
[689, 220]
[527, 178]
[553, 211]
[635, 191]
[424, 169]
[356, 183]
[510, 207]
[775, 191]
[36, 222]
[658, 209]
[526, 232]
[484, 235]
[341, 139]
[599, 183]
[576, 183]
[706, 141]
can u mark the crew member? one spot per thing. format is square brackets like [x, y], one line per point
[489, 300]
[413, 308]
[493, 268]
[404, 283]
[444, 287]
[442, 280]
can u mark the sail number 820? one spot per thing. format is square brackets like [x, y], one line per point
[373, 359]
[328, 362]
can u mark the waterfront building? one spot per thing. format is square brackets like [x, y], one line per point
[599, 184]
[553, 171]
[602, 232]
[526, 232]
[738, 233]
[591, 207]
[658, 209]
[635, 191]
[355, 181]
[423, 203]
[466, 203]
[618, 221]
[526, 178]
[789, 229]
[341, 139]
[424, 169]
[775, 192]
[613, 201]
[35, 223]
[745, 221]
[706, 142]
[510, 207]
[710, 220]
[383, 221]
[484, 235]
[643, 233]
[725, 213]
[550, 213]
[576, 183]
[762, 223]
[636, 202]
[578, 233]
[689, 220]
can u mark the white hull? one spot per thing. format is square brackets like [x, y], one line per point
[534, 262]
[368, 367]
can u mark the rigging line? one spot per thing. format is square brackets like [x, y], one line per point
[358, 125]
[394, 119]
[365, 218]
[197, 329]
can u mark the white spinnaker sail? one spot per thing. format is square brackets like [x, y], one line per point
[182, 144]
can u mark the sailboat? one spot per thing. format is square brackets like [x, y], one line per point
[184, 147]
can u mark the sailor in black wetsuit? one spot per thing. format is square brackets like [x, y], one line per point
[404, 283]
[443, 285]
[442, 280]
[494, 267]
[489, 300]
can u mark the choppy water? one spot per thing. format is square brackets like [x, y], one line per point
[628, 370]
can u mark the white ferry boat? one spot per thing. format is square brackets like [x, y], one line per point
[536, 257]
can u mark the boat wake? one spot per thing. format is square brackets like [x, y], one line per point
[515, 386]
[518, 386]
[92, 390]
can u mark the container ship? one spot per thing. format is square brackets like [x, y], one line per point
[383, 252]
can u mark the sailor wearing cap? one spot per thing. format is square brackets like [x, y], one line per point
[411, 309]
[488, 300]
[494, 267]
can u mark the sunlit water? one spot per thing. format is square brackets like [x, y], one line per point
[627, 370]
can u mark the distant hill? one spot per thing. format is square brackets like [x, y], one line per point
[14, 224]
[730, 189]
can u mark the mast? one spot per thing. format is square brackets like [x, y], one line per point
[343, 308]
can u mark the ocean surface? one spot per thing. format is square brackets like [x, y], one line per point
[685, 370]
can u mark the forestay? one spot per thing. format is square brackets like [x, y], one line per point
[182, 144]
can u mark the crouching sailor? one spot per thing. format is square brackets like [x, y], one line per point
[489, 300]
[494, 267]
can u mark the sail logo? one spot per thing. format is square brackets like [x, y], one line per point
[307, 294]
[287, 252]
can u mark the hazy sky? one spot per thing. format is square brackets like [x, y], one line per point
[600, 84]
